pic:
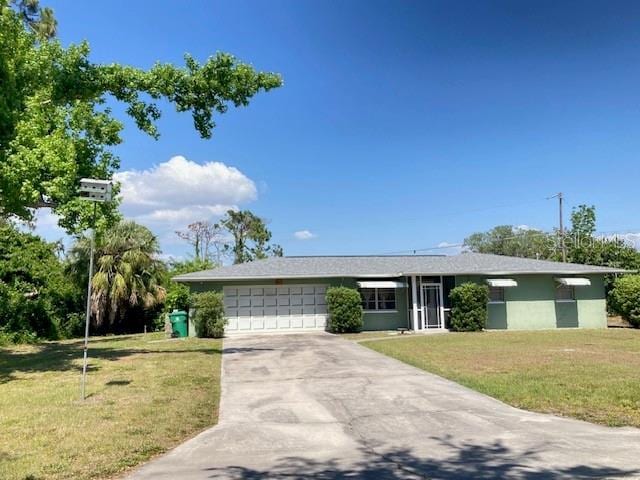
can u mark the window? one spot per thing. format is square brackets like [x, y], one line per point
[378, 298]
[496, 294]
[368, 298]
[565, 293]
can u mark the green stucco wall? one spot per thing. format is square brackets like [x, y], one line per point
[532, 306]
[529, 306]
[372, 321]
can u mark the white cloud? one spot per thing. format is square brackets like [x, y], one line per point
[175, 193]
[180, 191]
[304, 235]
[46, 225]
[180, 183]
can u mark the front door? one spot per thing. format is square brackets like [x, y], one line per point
[431, 305]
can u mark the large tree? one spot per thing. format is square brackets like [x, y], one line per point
[251, 237]
[583, 246]
[36, 298]
[205, 236]
[129, 275]
[581, 242]
[513, 241]
[55, 123]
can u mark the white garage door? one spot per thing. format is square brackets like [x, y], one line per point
[270, 308]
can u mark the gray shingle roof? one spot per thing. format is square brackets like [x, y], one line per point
[389, 266]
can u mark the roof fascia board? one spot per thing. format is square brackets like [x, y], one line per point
[283, 277]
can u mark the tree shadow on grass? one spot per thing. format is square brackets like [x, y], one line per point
[62, 357]
[465, 461]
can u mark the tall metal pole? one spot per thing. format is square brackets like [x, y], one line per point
[564, 248]
[88, 314]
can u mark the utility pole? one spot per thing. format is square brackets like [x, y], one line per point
[561, 225]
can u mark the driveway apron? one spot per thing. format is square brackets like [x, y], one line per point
[317, 406]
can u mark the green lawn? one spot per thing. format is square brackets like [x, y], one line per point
[592, 375]
[145, 395]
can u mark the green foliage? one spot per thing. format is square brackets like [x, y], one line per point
[56, 129]
[39, 20]
[469, 307]
[580, 242]
[127, 284]
[512, 241]
[625, 298]
[209, 317]
[583, 221]
[345, 310]
[35, 295]
[178, 294]
[250, 237]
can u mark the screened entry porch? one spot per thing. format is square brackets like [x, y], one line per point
[428, 301]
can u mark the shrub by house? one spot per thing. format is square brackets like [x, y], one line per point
[625, 298]
[469, 307]
[209, 316]
[345, 310]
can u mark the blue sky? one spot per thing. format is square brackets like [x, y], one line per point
[400, 125]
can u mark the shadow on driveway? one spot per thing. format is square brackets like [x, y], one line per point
[466, 461]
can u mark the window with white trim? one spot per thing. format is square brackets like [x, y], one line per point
[565, 293]
[378, 299]
[496, 294]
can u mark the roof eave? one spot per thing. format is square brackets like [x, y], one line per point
[283, 277]
[191, 279]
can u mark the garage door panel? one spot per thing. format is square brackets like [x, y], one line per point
[257, 323]
[283, 300]
[257, 307]
[257, 301]
[284, 322]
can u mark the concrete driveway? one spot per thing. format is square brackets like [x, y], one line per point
[318, 406]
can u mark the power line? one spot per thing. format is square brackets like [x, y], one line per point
[414, 251]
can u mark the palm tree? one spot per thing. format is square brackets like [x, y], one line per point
[129, 273]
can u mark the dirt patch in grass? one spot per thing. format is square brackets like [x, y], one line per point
[144, 397]
[592, 375]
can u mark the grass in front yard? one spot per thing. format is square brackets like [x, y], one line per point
[145, 395]
[592, 375]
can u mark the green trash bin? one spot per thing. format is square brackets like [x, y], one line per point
[179, 326]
